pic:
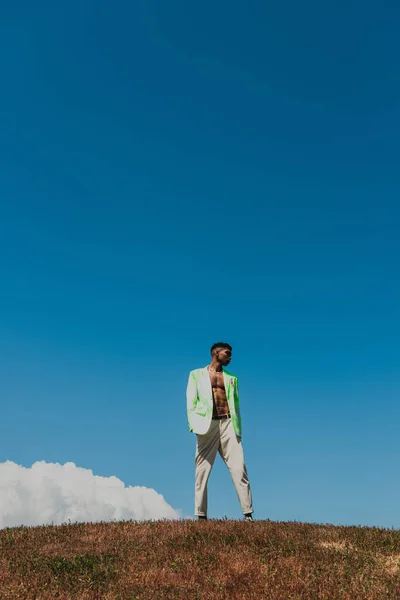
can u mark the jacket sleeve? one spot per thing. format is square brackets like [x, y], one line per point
[191, 398]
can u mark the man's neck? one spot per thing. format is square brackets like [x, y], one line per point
[216, 366]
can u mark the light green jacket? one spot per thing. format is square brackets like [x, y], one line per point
[200, 401]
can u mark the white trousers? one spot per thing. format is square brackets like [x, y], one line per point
[221, 437]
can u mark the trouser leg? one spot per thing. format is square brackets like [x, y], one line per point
[206, 451]
[231, 450]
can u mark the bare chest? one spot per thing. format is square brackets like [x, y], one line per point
[217, 381]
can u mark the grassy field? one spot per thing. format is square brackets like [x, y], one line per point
[206, 560]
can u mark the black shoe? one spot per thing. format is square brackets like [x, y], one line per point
[202, 518]
[249, 518]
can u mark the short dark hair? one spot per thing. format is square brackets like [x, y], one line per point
[220, 345]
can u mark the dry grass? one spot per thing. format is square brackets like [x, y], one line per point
[199, 561]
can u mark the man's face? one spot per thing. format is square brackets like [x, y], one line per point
[224, 355]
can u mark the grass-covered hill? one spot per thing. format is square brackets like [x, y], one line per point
[199, 560]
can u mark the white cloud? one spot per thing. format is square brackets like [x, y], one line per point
[52, 493]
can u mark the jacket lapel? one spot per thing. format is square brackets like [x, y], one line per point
[207, 383]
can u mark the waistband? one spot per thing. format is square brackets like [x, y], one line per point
[219, 417]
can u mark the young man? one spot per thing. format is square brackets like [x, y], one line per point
[214, 416]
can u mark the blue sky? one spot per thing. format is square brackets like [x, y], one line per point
[172, 175]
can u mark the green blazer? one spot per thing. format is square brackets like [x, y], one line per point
[200, 401]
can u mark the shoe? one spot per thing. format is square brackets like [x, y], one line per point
[249, 518]
[201, 518]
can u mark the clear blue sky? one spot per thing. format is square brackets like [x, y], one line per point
[172, 174]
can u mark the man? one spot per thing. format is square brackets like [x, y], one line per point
[214, 416]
